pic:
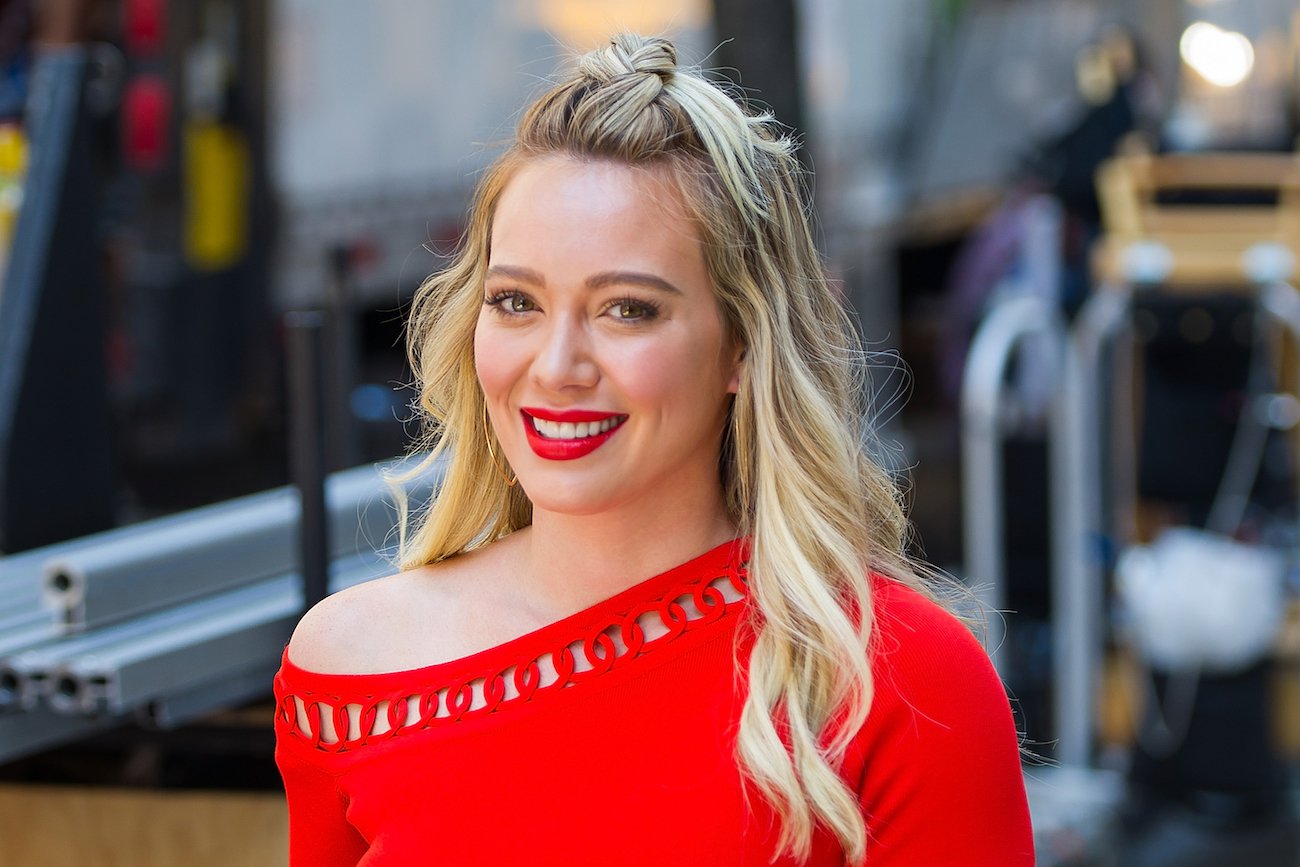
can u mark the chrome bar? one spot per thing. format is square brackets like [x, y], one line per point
[178, 708]
[238, 632]
[33, 673]
[27, 733]
[21, 573]
[1078, 627]
[211, 550]
[20, 583]
[19, 635]
[171, 664]
[1003, 331]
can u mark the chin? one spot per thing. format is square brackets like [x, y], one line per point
[572, 497]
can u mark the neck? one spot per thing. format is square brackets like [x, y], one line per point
[574, 561]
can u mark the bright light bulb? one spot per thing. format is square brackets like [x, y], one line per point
[1222, 57]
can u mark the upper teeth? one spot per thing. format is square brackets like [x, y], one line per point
[567, 430]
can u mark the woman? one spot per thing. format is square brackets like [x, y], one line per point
[660, 612]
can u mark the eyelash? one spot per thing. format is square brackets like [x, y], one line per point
[494, 301]
[650, 309]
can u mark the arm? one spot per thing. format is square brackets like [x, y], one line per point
[941, 782]
[325, 640]
[319, 832]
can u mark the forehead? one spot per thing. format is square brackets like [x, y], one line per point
[560, 204]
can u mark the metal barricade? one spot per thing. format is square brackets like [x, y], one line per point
[1092, 476]
[1076, 656]
[167, 651]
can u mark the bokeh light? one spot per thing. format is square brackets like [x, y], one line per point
[1222, 57]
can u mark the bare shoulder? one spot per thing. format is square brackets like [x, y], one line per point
[402, 621]
[339, 635]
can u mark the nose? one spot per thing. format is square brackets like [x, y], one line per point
[565, 359]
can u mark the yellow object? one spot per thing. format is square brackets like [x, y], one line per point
[1206, 242]
[13, 164]
[587, 24]
[216, 194]
[13, 151]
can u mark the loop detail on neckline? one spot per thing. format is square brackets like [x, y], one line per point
[338, 713]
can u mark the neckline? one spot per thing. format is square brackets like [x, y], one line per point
[726, 556]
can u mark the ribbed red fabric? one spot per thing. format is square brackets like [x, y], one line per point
[563, 747]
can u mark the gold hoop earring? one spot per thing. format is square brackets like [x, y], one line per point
[487, 431]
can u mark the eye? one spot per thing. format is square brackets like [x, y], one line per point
[510, 302]
[631, 310]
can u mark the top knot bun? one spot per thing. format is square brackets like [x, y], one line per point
[630, 54]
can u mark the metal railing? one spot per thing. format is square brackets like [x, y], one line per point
[169, 619]
[1092, 473]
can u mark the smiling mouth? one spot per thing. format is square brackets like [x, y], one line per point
[568, 430]
[568, 434]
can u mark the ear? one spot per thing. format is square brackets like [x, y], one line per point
[737, 367]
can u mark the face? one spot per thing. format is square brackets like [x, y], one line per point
[600, 346]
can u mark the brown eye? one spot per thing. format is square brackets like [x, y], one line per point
[632, 311]
[510, 303]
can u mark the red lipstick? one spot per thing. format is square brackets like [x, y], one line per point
[566, 449]
[573, 415]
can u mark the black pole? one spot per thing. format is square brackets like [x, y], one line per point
[304, 331]
[758, 43]
[342, 446]
[57, 468]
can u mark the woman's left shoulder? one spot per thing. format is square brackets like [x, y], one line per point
[928, 654]
[939, 740]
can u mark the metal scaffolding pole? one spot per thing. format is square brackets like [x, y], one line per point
[171, 664]
[21, 574]
[211, 550]
[27, 733]
[226, 638]
[1002, 333]
[178, 708]
[17, 637]
[20, 586]
[1079, 590]
[28, 674]
[308, 421]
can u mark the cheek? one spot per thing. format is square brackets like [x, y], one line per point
[490, 362]
[682, 373]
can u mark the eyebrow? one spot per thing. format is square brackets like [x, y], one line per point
[636, 278]
[527, 275]
[595, 281]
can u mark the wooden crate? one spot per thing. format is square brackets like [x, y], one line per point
[1206, 242]
[48, 826]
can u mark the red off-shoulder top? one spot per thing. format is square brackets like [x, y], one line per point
[600, 740]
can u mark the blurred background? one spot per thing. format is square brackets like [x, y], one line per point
[1068, 227]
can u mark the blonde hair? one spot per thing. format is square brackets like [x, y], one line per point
[797, 481]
